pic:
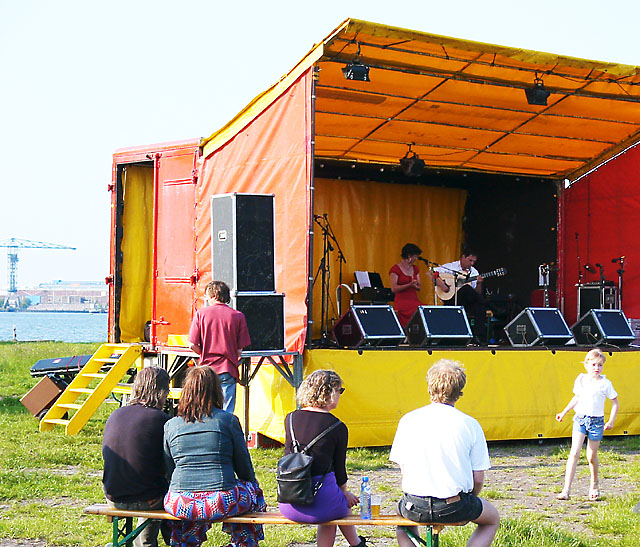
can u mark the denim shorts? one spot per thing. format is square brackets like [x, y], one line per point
[591, 426]
[429, 509]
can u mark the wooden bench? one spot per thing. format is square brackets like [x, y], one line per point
[124, 533]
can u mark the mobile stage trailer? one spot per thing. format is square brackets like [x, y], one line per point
[516, 181]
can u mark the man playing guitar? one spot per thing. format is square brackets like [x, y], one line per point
[449, 278]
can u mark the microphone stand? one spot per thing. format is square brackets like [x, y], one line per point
[323, 269]
[341, 259]
[601, 268]
[327, 237]
[620, 272]
[580, 274]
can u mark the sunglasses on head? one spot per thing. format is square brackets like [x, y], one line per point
[340, 390]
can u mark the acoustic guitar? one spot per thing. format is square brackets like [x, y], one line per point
[463, 280]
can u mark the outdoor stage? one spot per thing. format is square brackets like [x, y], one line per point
[514, 393]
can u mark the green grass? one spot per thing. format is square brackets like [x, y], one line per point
[47, 478]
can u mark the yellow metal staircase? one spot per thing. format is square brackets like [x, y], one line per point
[121, 356]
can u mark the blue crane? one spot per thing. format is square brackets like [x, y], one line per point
[12, 245]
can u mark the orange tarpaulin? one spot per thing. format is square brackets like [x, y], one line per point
[461, 103]
[272, 155]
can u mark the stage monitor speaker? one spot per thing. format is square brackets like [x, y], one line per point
[438, 325]
[598, 327]
[375, 326]
[265, 319]
[242, 241]
[538, 327]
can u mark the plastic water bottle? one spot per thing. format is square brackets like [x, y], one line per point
[365, 499]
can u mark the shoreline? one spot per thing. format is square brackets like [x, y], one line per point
[53, 311]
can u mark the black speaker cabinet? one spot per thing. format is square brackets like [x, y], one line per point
[438, 325]
[375, 325]
[594, 297]
[265, 319]
[603, 327]
[242, 241]
[538, 326]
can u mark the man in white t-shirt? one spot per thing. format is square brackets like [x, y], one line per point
[443, 455]
[470, 294]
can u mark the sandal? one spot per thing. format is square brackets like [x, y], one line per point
[594, 494]
[563, 496]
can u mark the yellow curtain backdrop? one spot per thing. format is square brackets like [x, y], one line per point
[137, 252]
[372, 221]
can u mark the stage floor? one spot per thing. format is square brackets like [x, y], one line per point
[514, 393]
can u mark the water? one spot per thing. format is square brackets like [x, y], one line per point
[62, 327]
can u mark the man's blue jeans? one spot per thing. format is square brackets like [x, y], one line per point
[229, 391]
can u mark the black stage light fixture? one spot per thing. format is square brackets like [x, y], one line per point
[537, 95]
[411, 164]
[356, 70]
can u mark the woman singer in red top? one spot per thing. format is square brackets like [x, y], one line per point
[405, 283]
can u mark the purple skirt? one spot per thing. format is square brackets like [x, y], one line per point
[329, 504]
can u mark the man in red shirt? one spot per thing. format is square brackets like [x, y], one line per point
[218, 333]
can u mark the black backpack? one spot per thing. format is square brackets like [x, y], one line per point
[294, 471]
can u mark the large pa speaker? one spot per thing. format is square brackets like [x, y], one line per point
[242, 241]
[438, 325]
[603, 327]
[538, 326]
[375, 325]
[265, 319]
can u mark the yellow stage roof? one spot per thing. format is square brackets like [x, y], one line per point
[460, 104]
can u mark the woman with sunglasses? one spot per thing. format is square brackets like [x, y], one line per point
[318, 395]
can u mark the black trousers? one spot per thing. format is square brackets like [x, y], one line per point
[475, 307]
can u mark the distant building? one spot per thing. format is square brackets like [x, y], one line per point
[78, 296]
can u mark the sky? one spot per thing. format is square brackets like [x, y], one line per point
[80, 79]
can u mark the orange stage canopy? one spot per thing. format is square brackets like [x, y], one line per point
[460, 104]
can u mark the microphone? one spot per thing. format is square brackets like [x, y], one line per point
[590, 268]
[620, 259]
[423, 260]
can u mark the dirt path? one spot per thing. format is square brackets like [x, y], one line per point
[523, 481]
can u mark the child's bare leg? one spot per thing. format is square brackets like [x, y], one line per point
[594, 464]
[326, 535]
[577, 441]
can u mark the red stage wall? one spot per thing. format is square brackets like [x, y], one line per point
[603, 209]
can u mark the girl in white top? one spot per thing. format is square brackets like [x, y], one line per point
[591, 390]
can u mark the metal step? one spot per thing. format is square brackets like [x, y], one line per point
[57, 421]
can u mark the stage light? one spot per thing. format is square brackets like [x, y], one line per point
[537, 95]
[411, 164]
[356, 70]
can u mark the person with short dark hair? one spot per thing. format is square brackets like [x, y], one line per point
[443, 454]
[212, 476]
[218, 334]
[134, 473]
[405, 283]
[470, 295]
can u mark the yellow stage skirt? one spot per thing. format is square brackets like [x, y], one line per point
[514, 394]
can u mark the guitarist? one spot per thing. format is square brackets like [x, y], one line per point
[470, 295]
